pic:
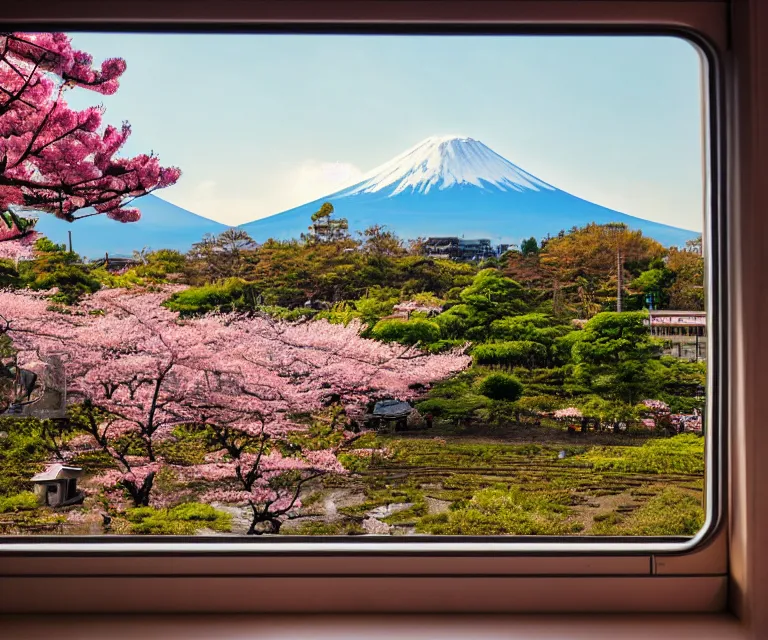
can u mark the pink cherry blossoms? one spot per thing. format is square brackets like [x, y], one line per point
[656, 406]
[570, 413]
[16, 249]
[136, 372]
[57, 160]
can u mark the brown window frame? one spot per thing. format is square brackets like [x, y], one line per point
[714, 575]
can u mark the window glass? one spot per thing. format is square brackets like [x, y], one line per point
[332, 285]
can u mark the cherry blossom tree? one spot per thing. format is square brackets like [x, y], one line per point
[57, 160]
[16, 249]
[287, 369]
[137, 371]
[129, 366]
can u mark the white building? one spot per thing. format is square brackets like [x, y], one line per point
[683, 332]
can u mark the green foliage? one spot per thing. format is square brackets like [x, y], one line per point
[608, 411]
[655, 282]
[534, 327]
[562, 347]
[506, 510]
[183, 519]
[22, 454]
[613, 354]
[188, 448]
[612, 337]
[671, 512]
[454, 399]
[501, 386]
[509, 354]
[154, 267]
[231, 295]
[529, 247]
[492, 295]
[455, 322]
[316, 528]
[23, 501]
[9, 276]
[442, 345]
[679, 454]
[55, 267]
[407, 331]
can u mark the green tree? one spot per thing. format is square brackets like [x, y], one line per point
[612, 356]
[378, 241]
[529, 247]
[325, 228]
[226, 255]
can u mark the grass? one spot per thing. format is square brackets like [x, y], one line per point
[24, 501]
[679, 454]
[505, 511]
[317, 528]
[497, 488]
[671, 512]
[184, 519]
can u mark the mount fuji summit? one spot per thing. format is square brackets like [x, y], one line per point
[457, 186]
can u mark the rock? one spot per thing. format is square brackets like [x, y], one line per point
[436, 506]
[388, 509]
[375, 527]
[415, 420]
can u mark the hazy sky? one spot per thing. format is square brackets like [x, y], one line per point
[259, 124]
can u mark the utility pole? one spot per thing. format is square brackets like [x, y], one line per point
[616, 229]
[69, 233]
[619, 278]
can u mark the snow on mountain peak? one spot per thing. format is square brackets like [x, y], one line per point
[440, 162]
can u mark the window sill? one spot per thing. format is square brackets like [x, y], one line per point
[421, 627]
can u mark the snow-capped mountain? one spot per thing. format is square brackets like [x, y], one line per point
[457, 186]
[442, 162]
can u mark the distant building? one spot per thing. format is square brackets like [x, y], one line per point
[455, 248]
[115, 263]
[683, 332]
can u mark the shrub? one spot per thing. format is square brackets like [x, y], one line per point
[407, 331]
[509, 354]
[23, 501]
[501, 386]
[679, 454]
[183, 519]
[232, 295]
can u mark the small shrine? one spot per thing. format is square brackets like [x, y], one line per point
[57, 486]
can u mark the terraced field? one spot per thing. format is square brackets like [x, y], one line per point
[456, 485]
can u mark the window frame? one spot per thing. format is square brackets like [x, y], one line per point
[686, 575]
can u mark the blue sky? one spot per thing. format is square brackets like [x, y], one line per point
[259, 124]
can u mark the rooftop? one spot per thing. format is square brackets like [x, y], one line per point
[57, 472]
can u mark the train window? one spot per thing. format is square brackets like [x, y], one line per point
[396, 287]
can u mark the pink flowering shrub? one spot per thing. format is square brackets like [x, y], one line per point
[570, 413]
[656, 406]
